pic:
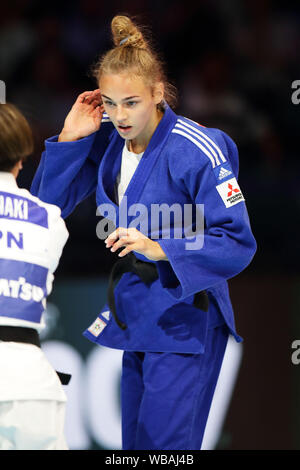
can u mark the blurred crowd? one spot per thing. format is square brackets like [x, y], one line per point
[233, 63]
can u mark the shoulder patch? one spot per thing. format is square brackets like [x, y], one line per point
[230, 192]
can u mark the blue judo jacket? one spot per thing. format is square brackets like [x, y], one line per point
[185, 165]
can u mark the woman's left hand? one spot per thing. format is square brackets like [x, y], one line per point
[133, 240]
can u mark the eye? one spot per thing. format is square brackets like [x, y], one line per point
[131, 103]
[109, 103]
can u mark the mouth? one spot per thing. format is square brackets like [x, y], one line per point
[124, 129]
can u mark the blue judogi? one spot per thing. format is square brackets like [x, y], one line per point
[167, 396]
[184, 164]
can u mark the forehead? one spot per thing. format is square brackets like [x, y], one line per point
[121, 85]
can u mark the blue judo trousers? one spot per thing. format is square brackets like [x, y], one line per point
[167, 396]
[173, 350]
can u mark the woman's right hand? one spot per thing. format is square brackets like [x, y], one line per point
[84, 118]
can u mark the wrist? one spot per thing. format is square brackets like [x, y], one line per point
[161, 255]
[65, 136]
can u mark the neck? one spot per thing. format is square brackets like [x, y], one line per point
[15, 173]
[136, 147]
[16, 170]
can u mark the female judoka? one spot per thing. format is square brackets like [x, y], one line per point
[168, 303]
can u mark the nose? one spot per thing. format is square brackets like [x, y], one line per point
[121, 114]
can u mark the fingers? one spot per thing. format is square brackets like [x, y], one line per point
[121, 232]
[114, 236]
[95, 103]
[121, 242]
[129, 238]
[133, 240]
[88, 96]
[82, 96]
[127, 244]
[97, 112]
[126, 250]
[93, 98]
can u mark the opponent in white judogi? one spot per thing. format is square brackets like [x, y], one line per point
[32, 400]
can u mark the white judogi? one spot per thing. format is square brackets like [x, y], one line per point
[32, 400]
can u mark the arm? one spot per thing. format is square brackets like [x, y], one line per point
[58, 236]
[68, 169]
[228, 244]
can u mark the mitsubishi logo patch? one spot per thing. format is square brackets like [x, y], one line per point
[230, 192]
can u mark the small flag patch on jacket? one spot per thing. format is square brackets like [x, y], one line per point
[97, 327]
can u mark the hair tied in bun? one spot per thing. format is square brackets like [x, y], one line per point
[132, 53]
[123, 41]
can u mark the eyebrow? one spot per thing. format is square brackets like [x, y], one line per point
[125, 99]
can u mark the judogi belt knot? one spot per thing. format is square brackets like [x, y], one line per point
[147, 273]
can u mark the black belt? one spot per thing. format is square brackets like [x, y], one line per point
[148, 273]
[19, 334]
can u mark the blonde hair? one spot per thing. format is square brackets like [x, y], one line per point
[16, 140]
[132, 53]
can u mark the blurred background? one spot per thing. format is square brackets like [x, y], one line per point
[234, 63]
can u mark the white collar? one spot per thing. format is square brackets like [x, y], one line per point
[7, 179]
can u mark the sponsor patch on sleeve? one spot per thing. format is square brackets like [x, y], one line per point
[230, 192]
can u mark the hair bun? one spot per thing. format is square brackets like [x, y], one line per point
[134, 54]
[126, 33]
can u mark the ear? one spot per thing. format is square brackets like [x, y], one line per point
[158, 92]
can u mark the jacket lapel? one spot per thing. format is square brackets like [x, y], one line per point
[108, 172]
[147, 162]
[111, 165]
